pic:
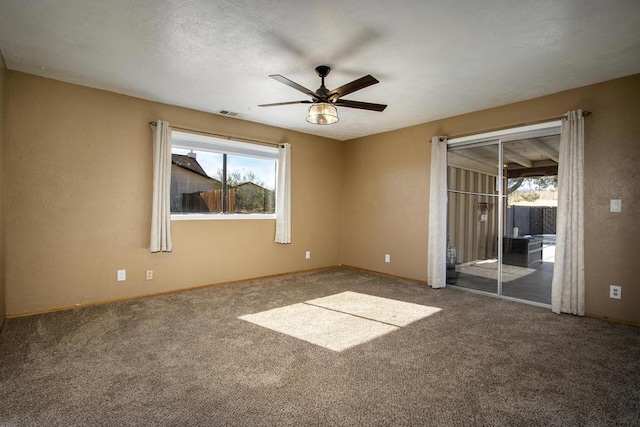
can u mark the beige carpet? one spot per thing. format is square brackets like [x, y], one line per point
[337, 347]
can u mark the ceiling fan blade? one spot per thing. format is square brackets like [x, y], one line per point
[294, 85]
[285, 103]
[355, 85]
[360, 105]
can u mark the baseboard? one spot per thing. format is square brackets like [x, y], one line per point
[384, 274]
[613, 320]
[173, 291]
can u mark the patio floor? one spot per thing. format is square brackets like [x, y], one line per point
[532, 283]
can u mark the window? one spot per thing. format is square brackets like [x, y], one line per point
[216, 178]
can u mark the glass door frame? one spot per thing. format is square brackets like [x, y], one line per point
[459, 145]
[498, 138]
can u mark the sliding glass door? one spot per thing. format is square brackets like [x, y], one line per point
[531, 183]
[501, 213]
[473, 220]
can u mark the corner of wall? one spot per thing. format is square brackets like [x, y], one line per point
[3, 109]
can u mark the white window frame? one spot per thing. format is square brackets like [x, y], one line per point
[194, 141]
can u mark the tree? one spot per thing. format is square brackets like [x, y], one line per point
[524, 196]
[536, 184]
[547, 182]
[527, 189]
[239, 177]
[513, 184]
[250, 194]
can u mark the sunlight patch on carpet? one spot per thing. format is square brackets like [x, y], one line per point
[397, 313]
[341, 321]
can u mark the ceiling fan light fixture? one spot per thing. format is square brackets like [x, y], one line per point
[323, 113]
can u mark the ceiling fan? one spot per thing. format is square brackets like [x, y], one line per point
[324, 111]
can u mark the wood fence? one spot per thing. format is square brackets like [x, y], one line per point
[208, 201]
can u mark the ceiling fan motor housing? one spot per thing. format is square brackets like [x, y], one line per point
[323, 70]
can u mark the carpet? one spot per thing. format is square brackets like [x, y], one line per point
[194, 358]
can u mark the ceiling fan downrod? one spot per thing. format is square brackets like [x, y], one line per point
[323, 71]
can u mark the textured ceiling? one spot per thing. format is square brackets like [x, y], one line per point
[434, 59]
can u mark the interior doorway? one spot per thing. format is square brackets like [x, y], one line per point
[501, 206]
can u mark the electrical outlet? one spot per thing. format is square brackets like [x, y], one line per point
[149, 275]
[121, 275]
[615, 292]
[307, 255]
[387, 258]
[615, 205]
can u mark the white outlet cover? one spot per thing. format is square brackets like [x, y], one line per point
[387, 258]
[307, 255]
[615, 292]
[121, 276]
[615, 205]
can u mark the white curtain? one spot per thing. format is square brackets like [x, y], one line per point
[161, 208]
[567, 287]
[283, 195]
[436, 263]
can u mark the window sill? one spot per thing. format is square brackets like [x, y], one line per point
[208, 217]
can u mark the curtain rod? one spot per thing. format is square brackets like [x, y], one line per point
[564, 116]
[552, 119]
[535, 122]
[584, 114]
[217, 135]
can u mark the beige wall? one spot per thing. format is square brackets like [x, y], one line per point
[3, 103]
[386, 189]
[385, 199]
[79, 187]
